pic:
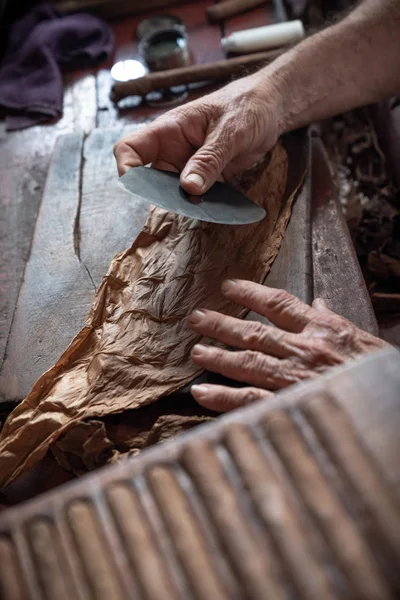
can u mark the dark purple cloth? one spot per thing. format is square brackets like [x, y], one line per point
[40, 44]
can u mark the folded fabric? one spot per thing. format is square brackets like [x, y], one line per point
[40, 44]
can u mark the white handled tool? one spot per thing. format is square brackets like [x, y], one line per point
[263, 38]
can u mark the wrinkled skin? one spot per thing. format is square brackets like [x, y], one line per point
[306, 341]
[213, 138]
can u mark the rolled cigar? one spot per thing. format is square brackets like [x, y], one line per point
[230, 8]
[160, 80]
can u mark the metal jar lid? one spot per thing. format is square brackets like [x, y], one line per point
[166, 49]
[159, 23]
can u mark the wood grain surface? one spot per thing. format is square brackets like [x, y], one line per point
[84, 220]
[292, 269]
[55, 283]
[336, 271]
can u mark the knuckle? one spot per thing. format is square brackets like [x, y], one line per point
[280, 300]
[345, 334]
[253, 334]
[338, 329]
[250, 395]
[211, 159]
[253, 361]
[320, 351]
[216, 325]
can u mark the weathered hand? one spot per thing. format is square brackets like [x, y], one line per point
[305, 342]
[217, 136]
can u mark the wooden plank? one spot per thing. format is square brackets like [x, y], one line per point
[292, 269]
[87, 217]
[109, 218]
[23, 166]
[80, 103]
[337, 274]
[24, 161]
[56, 287]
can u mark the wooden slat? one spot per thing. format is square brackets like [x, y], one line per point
[109, 218]
[337, 274]
[56, 285]
[84, 220]
[292, 269]
[24, 161]
[23, 166]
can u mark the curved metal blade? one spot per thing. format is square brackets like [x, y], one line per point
[221, 204]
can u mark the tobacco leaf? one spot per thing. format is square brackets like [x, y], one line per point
[135, 346]
[90, 444]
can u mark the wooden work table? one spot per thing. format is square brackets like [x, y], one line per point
[316, 258]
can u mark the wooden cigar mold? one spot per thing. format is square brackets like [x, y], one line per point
[293, 497]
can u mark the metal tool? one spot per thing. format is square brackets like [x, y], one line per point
[221, 204]
[167, 49]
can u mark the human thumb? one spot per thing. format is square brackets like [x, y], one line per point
[205, 167]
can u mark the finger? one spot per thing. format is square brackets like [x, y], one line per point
[207, 164]
[320, 304]
[251, 367]
[248, 335]
[280, 307]
[164, 165]
[222, 399]
[138, 149]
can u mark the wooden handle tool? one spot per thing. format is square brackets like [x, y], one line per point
[230, 8]
[160, 80]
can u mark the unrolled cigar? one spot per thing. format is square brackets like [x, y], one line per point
[230, 8]
[161, 80]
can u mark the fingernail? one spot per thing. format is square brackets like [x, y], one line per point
[200, 391]
[198, 350]
[228, 285]
[196, 179]
[196, 316]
